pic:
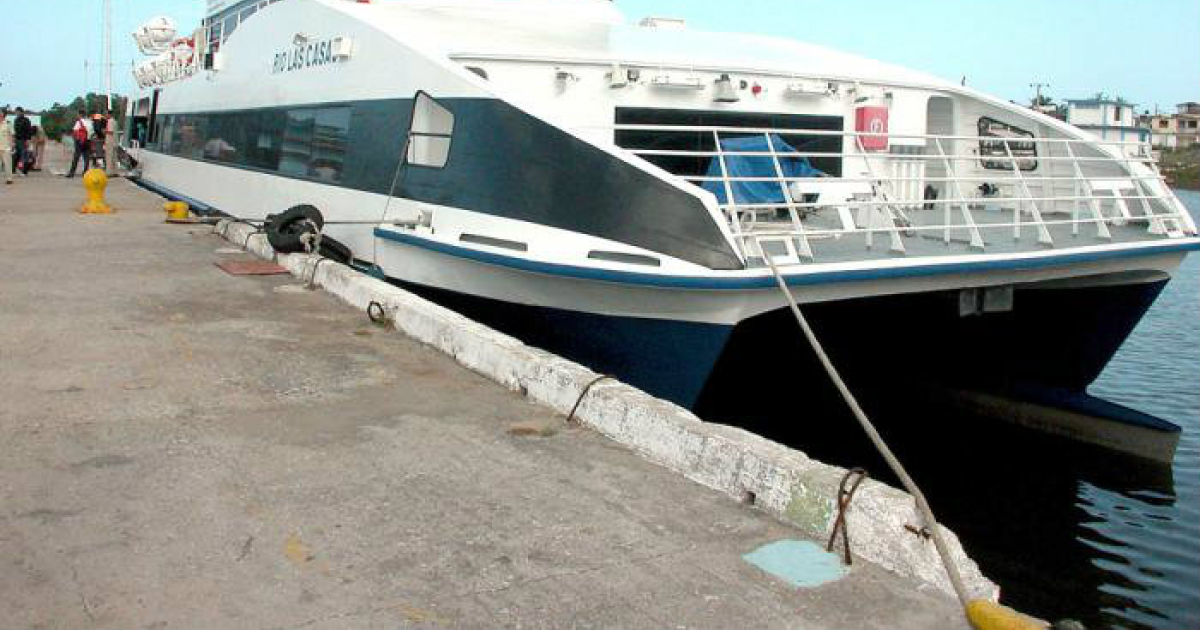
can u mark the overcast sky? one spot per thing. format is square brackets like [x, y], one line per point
[1146, 51]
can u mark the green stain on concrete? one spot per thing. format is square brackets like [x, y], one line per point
[808, 510]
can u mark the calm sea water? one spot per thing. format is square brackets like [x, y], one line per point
[1074, 532]
[1145, 540]
[1067, 530]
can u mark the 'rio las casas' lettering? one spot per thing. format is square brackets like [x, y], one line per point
[305, 56]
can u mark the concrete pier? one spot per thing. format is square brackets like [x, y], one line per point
[186, 448]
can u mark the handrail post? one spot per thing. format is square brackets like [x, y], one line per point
[731, 204]
[889, 211]
[1043, 233]
[968, 218]
[804, 249]
[1102, 231]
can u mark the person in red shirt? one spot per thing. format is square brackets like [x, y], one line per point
[81, 133]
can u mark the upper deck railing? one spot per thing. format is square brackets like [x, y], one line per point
[966, 193]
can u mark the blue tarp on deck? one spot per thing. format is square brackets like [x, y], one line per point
[756, 166]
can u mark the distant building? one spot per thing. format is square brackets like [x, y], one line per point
[1108, 119]
[1049, 109]
[1178, 130]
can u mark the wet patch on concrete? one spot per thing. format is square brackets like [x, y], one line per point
[48, 516]
[102, 461]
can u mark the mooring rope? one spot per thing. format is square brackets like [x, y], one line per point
[922, 505]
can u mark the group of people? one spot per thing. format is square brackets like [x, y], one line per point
[89, 137]
[22, 145]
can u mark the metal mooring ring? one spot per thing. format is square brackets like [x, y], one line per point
[376, 313]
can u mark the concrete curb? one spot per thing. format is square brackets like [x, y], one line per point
[782, 481]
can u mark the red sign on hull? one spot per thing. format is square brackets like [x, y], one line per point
[873, 121]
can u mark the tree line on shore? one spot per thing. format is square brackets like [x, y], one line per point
[58, 118]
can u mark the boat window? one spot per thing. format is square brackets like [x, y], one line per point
[231, 24]
[480, 239]
[623, 257]
[214, 37]
[304, 142]
[480, 72]
[701, 139]
[992, 128]
[314, 143]
[430, 132]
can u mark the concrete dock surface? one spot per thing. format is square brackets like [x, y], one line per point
[185, 448]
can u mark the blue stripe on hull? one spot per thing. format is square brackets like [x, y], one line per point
[767, 281]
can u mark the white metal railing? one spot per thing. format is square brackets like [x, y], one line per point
[1072, 183]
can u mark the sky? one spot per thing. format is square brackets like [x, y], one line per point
[1147, 52]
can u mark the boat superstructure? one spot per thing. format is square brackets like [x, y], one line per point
[627, 194]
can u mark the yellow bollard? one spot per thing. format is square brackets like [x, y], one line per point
[177, 212]
[94, 181]
[985, 615]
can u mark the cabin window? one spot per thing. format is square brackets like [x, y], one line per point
[1011, 134]
[430, 132]
[231, 24]
[701, 140]
[304, 142]
[314, 143]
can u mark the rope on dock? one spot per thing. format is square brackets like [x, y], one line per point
[922, 505]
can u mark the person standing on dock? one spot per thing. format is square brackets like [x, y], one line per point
[81, 133]
[22, 133]
[39, 146]
[6, 146]
[99, 138]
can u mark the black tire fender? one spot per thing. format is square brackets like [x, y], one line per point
[284, 230]
[335, 250]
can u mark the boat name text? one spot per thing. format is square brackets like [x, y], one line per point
[304, 56]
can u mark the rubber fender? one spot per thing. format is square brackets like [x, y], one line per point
[985, 615]
[285, 229]
[335, 250]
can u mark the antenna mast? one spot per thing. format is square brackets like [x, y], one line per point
[108, 53]
[1037, 101]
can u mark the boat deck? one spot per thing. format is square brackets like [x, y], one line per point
[927, 236]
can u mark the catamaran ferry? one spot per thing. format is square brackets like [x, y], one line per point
[631, 195]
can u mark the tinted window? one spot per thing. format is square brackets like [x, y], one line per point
[698, 140]
[307, 142]
[988, 128]
[314, 143]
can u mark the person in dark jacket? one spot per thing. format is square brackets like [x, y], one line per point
[99, 137]
[22, 134]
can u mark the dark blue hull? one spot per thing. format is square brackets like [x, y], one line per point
[1052, 338]
[667, 359]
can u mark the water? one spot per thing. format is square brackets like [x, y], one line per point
[1146, 541]
[1070, 531]
[1067, 530]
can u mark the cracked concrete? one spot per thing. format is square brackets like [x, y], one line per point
[185, 448]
